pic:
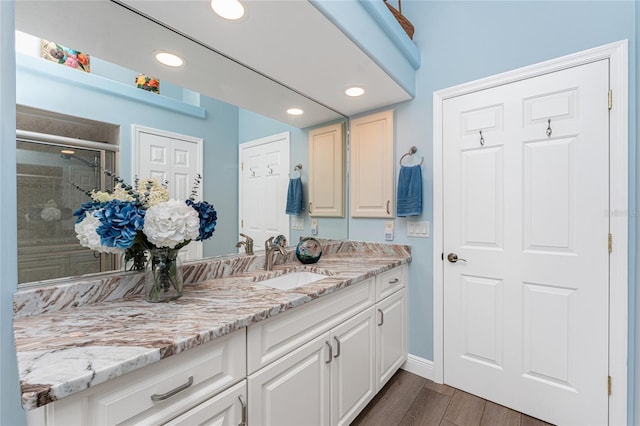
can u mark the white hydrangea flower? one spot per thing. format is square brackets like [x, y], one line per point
[170, 223]
[118, 194]
[49, 214]
[88, 237]
[157, 192]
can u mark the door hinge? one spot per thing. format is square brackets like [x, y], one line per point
[610, 99]
[242, 166]
[609, 385]
[242, 223]
[610, 243]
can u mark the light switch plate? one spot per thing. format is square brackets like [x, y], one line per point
[418, 229]
[297, 222]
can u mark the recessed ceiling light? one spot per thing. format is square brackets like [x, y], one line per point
[169, 59]
[228, 9]
[354, 91]
[295, 111]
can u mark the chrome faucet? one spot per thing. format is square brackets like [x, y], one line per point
[272, 245]
[247, 243]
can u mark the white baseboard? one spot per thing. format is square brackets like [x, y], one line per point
[420, 366]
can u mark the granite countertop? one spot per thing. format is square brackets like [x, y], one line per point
[66, 351]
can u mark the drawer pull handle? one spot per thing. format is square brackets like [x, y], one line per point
[243, 422]
[393, 281]
[310, 212]
[338, 348]
[381, 317]
[162, 396]
[388, 202]
[330, 352]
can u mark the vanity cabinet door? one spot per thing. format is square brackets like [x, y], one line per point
[391, 336]
[293, 390]
[372, 166]
[353, 368]
[229, 408]
[326, 171]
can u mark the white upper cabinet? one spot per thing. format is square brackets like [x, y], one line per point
[326, 174]
[372, 166]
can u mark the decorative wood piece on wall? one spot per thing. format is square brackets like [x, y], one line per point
[404, 22]
[55, 52]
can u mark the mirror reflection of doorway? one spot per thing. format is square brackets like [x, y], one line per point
[46, 199]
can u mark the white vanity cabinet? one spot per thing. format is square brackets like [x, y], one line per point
[322, 364]
[184, 383]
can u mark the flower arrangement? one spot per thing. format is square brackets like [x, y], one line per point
[63, 55]
[134, 219]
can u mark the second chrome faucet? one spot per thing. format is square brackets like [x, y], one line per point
[272, 245]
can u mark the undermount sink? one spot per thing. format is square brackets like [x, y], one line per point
[293, 280]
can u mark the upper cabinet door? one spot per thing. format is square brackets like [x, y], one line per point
[372, 166]
[326, 182]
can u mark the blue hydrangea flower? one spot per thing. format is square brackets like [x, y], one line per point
[120, 221]
[85, 208]
[208, 217]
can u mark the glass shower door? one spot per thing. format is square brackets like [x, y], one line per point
[47, 244]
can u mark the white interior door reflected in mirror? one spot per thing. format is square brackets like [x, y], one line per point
[263, 182]
[170, 157]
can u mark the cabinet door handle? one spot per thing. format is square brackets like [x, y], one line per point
[388, 202]
[243, 422]
[337, 348]
[393, 281]
[330, 352]
[162, 396]
[381, 317]
[310, 207]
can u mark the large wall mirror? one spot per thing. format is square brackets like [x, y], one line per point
[213, 97]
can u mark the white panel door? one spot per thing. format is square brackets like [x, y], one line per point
[526, 202]
[263, 185]
[353, 367]
[391, 336]
[371, 181]
[174, 158]
[294, 390]
[326, 171]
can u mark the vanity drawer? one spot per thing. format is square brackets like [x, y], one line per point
[390, 281]
[210, 368]
[273, 338]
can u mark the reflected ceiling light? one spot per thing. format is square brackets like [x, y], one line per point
[354, 91]
[67, 151]
[295, 111]
[228, 9]
[169, 59]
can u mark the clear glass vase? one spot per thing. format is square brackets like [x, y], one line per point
[163, 275]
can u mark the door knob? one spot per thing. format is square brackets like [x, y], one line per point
[453, 258]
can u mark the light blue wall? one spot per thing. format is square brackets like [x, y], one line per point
[464, 41]
[254, 126]
[219, 130]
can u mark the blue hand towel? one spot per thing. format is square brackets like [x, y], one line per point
[294, 197]
[409, 202]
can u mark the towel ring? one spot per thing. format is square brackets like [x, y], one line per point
[297, 171]
[412, 151]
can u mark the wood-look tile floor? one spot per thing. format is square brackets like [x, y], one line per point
[409, 400]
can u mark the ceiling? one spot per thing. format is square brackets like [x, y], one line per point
[282, 54]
